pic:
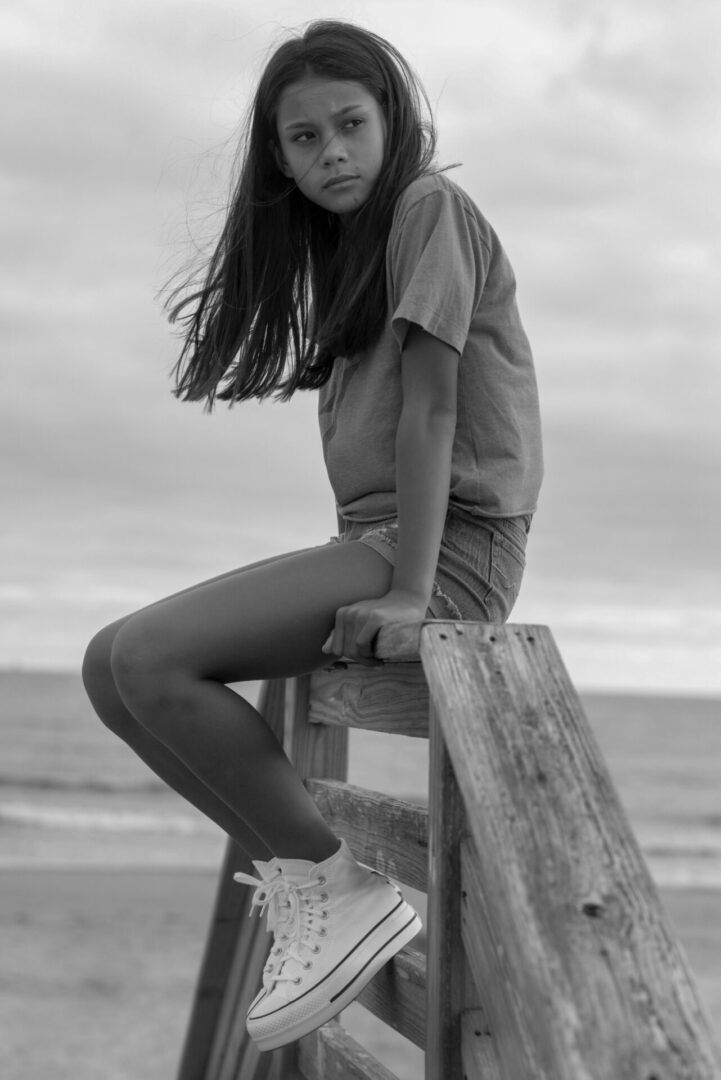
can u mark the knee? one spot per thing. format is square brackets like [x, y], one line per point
[96, 671]
[99, 682]
[143, 668]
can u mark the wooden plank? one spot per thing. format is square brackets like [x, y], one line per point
[220, 946]
[388, 834]
[445, 965]
[331, 1054]
[316, 750]
[602, 988]
[397, 995]
[392, 698]
[235, 1055]
[504, 1040]
[479, 1058]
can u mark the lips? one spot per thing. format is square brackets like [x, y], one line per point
[340, 179]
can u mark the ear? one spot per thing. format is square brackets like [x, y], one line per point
[280, 160]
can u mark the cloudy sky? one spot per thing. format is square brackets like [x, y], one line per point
[589, 136]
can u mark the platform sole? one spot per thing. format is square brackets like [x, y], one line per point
[325, 1002]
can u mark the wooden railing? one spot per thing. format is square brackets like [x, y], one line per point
[549, 956]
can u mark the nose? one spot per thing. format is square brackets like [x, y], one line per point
[334, 150]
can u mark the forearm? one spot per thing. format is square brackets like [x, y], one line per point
[424, 448]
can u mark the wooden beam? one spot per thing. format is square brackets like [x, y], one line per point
[597, 982]
[331, 1054]
[503, 1038]
[388, 834]
[314, 749]
[397, 995]
[399, 642]
[479, 1058]
[446, 964]
[391, 698]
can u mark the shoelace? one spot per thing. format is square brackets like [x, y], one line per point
[292, 916]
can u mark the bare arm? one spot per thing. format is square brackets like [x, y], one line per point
[424, 446]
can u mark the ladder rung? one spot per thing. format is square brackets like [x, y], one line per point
[393, 699]
[388, 834]
[330, 1053]
[397, 995]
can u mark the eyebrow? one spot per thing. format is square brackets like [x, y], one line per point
[307, 123]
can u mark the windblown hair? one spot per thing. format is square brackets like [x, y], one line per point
[249, 331]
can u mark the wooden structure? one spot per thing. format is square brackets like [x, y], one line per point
[549, 955]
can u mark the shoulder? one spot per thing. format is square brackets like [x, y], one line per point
[435, 195]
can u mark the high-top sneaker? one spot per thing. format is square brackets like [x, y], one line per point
[275, 896]
[336, 924]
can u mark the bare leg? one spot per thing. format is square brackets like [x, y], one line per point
[103, 693]
[170, 663]
[101, 689]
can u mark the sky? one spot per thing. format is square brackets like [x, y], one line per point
[588, 134]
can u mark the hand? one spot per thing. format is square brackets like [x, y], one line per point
[357, 625]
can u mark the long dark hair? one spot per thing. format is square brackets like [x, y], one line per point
[249, 332]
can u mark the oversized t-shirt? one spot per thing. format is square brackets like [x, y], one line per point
[448, 273]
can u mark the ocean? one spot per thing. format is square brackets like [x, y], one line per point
[72, 795]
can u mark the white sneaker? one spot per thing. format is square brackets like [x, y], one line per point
[273, 895]
[336, 924]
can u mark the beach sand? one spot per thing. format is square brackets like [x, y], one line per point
[99, 969]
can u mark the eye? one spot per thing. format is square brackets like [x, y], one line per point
[303, 136]
[354, 123]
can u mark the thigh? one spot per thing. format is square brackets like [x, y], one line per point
[264, 621]
[105, 637]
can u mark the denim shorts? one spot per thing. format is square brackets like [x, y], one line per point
[480, 563]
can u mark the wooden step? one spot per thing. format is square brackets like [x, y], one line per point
[391, 698]
[397, 995]
[389, 834]
[330, 1053]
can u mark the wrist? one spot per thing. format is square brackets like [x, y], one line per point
[412, 593]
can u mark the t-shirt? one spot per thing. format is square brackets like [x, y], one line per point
[446, 271]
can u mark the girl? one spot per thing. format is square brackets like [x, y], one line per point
[347, 264]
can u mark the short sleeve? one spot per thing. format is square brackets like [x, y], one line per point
[438, 264]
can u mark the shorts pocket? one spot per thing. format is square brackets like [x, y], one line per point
[508, 562]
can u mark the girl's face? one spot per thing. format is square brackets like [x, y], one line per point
[331, 136]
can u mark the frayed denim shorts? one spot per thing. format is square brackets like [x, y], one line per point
[480, 563]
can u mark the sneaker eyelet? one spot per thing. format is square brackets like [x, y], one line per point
[323, 932]
[324, 914]
[315, 949]
[307, 965]
[297, 980]
[324, 897]
[321, 881]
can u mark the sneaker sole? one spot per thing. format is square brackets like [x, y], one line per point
[377, 950]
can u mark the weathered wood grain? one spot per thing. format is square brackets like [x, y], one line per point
[399, 643]
[478, 1056]
[397, 995]
[445, 963]
[331, 1054]
[391, 698]
[388, 834]
[314, 749]
[597, 981]
[504, 1039]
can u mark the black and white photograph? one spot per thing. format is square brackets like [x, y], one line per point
[360, 596]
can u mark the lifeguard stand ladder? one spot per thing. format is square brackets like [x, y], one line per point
[549, 955]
